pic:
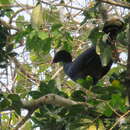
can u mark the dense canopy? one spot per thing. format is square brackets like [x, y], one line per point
[35, 94]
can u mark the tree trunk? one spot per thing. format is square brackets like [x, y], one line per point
[128, 64]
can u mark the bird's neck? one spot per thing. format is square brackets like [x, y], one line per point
[67, 66]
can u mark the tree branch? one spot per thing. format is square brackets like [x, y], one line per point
[17, 12]
[22, 70]
[21, 123]
[15, 5]
[8, 25]
[128, 64]
[121, 117]
[64, 5]
[57, 72]
[119, 3]
[47, 99]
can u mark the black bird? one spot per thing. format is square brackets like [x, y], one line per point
[88, 63]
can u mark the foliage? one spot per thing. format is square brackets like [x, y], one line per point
[34, 42]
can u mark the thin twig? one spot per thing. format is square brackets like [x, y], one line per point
[22, 122]
[64, 5]
[57, 72]
[3, 85]
[119, 119]
[17, 12]
[21, 68]
[8, 25]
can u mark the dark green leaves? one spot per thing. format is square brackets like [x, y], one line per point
[38, 41]
[99, 39]
[95, 35]
[35, 94]
[79, 96]
[61, 37]
[46, 88]
[86, 83]
[9, 102]
[4, 103]
[56, 27]
[118, 102]
[15, 102]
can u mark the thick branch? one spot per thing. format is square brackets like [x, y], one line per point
[48, 99]
[119, 3]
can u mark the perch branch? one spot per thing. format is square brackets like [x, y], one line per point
[47, 99]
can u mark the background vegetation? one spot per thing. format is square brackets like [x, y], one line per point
[35, 94]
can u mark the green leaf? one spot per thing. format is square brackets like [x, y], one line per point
[101, 125]
[35, 94]
[95, 35]
[5, 1]
[49, 87]
[78, 95]
[19, 21]
[86, 83]
[67, 46]
[27, 126]
[37, 17]
[56, 27]
[106, 56]
[42, 35]
[46, 45]
[16, 102]
[108, 112]
[68, 36]
[37, 44]
[76, 110]
[42, 86]
[104, 109]
[25, 33]
[118, 102]
[4, 103]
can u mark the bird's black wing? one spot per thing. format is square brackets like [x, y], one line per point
[82, 64]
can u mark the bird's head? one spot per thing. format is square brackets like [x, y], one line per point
[62, 56]
[113, 26]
